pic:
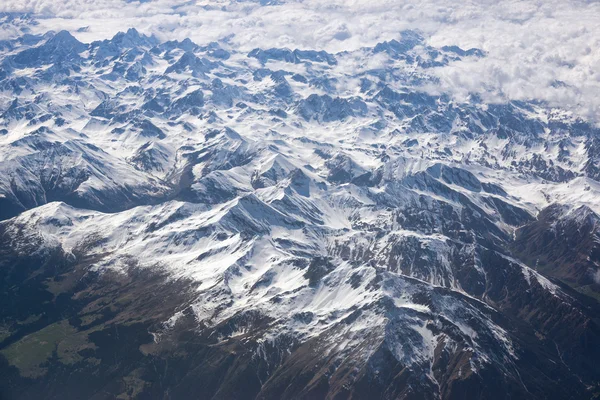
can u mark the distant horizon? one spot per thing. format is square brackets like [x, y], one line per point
[542, 51]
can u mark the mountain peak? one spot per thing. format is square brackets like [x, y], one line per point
[133, 38]
[64, 37]
[63, 41]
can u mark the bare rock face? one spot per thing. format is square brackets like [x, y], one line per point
[563, 244]
[205, 223]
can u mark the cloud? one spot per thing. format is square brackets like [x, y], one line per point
[545, 50]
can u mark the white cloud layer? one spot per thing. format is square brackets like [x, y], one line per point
[547, 50]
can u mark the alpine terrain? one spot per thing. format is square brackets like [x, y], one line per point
[187, 220]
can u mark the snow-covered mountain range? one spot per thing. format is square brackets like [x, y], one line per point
[184, 220]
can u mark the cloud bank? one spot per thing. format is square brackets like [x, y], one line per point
[545, 50]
